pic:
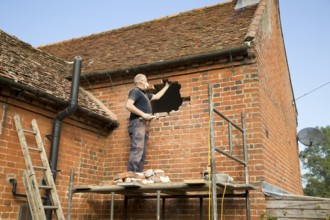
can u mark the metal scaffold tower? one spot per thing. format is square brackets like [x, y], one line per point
[214, 149]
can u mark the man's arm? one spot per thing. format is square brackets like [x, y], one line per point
[159, 94]
[131, 107]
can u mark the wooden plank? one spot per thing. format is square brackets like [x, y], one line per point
[290, 204]
[195, 182]
[132, 193]
[301, 197]
[82, 187]
[174, 188]
[293, 218]
[130, 185]
[201, 182]
[237, 186]
[298, 213]
[174, 192]
[298, 207]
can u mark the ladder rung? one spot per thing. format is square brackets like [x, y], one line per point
[29, 131]
[34, 148]
[45, 187]
[40, 167]
[50, 207]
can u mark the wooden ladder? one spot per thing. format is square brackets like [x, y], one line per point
[30, 176]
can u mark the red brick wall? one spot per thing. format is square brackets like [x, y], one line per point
[278, 115]
[179, 142]
[80, 149]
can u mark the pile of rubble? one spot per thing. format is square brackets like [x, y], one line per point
[147, 177]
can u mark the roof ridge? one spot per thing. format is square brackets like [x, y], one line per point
[256, 20]
[192, 10]
[135, 25]
[30, 47]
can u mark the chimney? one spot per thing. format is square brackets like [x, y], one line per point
[245, 3]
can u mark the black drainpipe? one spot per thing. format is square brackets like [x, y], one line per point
[13, 181]
[73, 105]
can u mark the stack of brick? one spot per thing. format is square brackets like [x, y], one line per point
[147, 177]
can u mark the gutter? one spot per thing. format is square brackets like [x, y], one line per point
[170, 62]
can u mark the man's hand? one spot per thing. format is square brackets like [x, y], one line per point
[148, 117]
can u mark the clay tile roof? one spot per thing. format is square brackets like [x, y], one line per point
[199, 31]
[24, 65]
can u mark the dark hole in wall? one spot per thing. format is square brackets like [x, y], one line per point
[171, 100]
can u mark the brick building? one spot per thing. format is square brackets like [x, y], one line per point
[236, 48]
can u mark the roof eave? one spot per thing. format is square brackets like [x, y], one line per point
[107, 123]
[171, 62]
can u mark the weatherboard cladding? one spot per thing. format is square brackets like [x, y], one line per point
[200, 31]
[30, 67]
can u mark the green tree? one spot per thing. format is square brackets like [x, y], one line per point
[316, 160]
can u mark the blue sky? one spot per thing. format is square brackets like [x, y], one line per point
[305, 23]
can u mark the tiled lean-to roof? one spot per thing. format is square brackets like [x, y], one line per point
[39, 73]
[200, 31]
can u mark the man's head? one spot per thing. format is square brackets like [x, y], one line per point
[141, 81]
